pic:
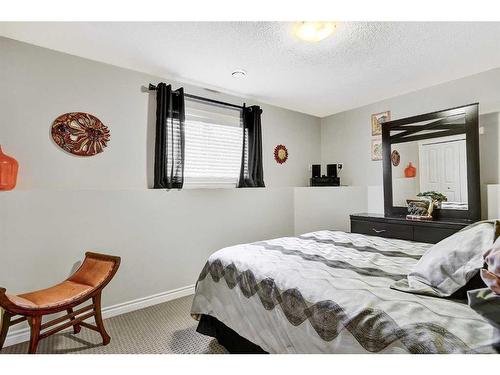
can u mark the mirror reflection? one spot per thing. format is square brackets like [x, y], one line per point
[430, 163]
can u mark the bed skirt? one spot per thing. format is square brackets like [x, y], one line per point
[234, 343]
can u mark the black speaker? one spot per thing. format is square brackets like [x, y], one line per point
[331, 170]
[316, 170]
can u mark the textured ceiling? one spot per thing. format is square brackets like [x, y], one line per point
[362, 62]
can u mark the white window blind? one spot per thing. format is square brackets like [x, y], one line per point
[213, 146]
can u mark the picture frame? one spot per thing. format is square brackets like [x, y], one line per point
[419, 209]
[377, 119]
[376, 149]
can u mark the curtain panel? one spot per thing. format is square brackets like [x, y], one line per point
[169, 140]
[251, 174]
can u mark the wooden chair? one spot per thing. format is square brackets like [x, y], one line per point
[86, 283]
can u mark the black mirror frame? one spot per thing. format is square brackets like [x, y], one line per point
[471, 112]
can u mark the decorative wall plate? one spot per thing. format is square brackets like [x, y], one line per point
[395, 158]
[280, 154]
[80, 133]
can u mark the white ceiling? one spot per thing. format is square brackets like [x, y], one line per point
[361, 63]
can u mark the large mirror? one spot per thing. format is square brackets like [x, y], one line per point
[434, 155]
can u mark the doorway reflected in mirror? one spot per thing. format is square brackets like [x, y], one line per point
[432, 165]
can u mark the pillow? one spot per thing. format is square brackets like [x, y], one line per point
[477, 281]
[485, 303]
[491, 280]
[491, 276]
[497, 229]
[450, 264]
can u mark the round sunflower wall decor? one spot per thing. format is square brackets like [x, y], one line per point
[80, 133]
[280, 154]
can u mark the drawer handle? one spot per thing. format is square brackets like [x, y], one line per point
[378, 230]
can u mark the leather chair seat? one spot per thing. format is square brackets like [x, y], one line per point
[86, 283]
[89, 277]
[61, 294]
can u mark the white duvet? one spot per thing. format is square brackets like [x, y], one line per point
[329, 292]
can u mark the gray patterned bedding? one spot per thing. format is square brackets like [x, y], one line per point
[329, 292]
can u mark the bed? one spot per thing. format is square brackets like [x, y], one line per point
[330, 292]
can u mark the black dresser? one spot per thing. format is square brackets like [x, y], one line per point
[401, 228]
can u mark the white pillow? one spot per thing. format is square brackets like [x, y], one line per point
[450, 264]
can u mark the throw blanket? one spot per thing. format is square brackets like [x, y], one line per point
[329, 292]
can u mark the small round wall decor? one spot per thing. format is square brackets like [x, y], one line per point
[280, 154]
[80, 133]
[395, 158]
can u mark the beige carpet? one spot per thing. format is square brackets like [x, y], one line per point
[162, 329]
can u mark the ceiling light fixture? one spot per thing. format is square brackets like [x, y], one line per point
[314, 31]
[239, 73]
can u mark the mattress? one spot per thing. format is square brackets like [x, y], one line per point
[329, 292]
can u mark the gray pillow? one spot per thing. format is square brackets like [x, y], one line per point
[485, 303]
[450, 264]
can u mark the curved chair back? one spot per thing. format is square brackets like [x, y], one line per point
[97, 270]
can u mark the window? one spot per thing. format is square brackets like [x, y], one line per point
[213, 146]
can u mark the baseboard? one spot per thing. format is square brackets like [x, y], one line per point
[21, 335]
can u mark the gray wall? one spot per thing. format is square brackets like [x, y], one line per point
[65, 205]
[164, 238]
[346, 136]
[38, 84]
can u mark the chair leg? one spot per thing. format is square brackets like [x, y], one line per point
[98, 319]
[76, 328]
[35, 323]
[5, 327]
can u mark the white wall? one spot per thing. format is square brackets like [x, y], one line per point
[402, 187]
[163, 237]
[64, 205]
[346, 136]
[320, 208]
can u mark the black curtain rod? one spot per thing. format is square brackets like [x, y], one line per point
[202, 99]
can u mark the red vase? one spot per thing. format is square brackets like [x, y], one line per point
[8, 171]
[410, 171]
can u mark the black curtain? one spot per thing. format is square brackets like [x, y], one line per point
[169, 141]
[251, 174]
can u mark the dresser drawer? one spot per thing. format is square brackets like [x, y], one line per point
[431, 235]
[389, 230]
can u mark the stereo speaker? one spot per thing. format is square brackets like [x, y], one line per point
[331, 170]
[316, 170]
